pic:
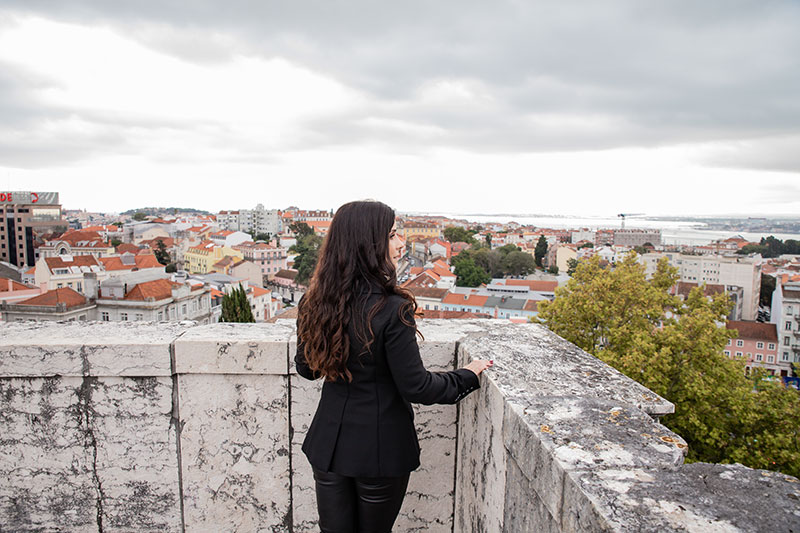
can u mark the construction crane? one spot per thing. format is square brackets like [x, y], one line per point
[623, 215]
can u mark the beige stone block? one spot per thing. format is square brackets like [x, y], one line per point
[305, 397]
[235, 452]
[87, 348]
[227, 348]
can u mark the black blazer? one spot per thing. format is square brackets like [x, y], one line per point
[365, 428]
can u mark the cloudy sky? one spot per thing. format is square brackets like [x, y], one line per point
[468, 106]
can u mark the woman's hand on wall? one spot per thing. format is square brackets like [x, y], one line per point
[479, 365]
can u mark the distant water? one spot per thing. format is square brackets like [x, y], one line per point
[672, 231]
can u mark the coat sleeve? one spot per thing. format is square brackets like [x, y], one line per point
[416, 384]
[300, 362]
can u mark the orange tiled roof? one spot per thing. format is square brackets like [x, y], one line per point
[438, 313]
[473, 300]
[531, 305]
[77, 260]
[534, 285]
[109, 227]
[754, 330]
[127, 247]
[7, 284]
[140, 261]
[65, 295]
[158, 289]
[258, 291]
[204, 246]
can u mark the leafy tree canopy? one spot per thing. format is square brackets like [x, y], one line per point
[139, 216]
[540, 251]
[676, 349]
[301, 229]
[307, 250]
[161, 253]
[468, 274]
[459, 234]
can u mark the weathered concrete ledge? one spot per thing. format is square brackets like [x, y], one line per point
[164, 427]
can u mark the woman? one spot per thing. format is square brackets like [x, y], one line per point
[356, 329]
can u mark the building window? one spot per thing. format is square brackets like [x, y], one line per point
[139, 316]
[738, 354]
[788, 325]
[104, 316]
[772, 346]
[123, 317]
[739, 343]
[183, 310]
[759, 357]
[786, 341]
[785, 356]
[730, 342]
[160, 316]
[59, 285]
[760, 345]
[80, 287]
[770, 359]
[728, 353]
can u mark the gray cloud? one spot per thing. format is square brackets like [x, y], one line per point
[571, 75]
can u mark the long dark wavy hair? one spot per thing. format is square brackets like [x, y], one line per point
[353, 259]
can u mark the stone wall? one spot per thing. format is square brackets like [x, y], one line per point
[169, 427]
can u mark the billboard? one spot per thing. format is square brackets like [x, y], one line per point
[28, 198]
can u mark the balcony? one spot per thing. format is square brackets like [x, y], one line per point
[173, 427]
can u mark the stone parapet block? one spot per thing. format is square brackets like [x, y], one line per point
[532, 360]
[36, 349]
[227, 348]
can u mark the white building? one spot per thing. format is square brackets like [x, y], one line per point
[259, 220]
[786, 317]
[739, 270]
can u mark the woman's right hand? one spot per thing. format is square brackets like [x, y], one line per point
[479, 365]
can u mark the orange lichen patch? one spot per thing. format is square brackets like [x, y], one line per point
[546, 429]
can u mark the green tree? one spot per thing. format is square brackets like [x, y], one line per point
[552, 269]
[307, 250]
[170, 268]
[518, 263]
[115, 242]
[572, 264]
[459, 234]
[489, 240]
[161, 253]
[235, 307]
[139, 216]
[586, 245]
[301, 229]
[468, 274]
[767, 288]
[540, 251]
[676, 349]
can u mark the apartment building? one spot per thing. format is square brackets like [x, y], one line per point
[637, 237]
[258, 220]
[149, 297]
[270, 258]
[25, 217]
[786, 318]
[738, 270]
[757, 345]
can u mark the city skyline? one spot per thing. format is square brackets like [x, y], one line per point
[579, 109]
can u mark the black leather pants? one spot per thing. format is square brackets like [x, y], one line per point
[358, 504]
